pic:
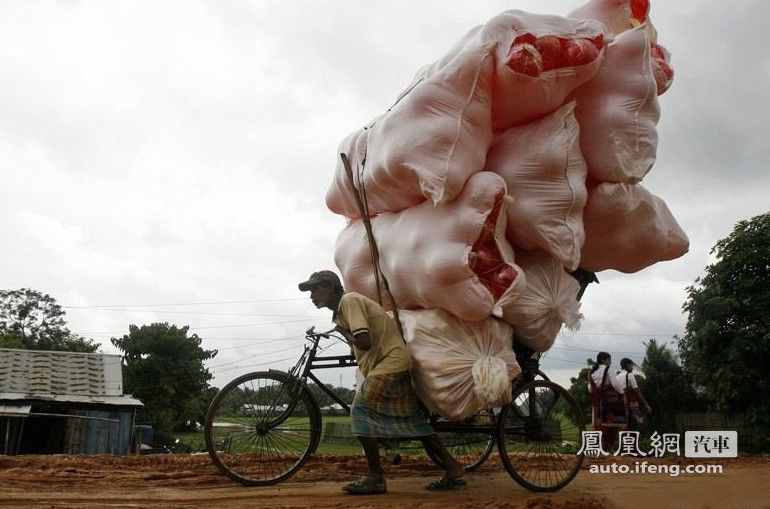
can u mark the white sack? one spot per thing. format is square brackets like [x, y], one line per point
[618, 15]
[549, 301]
[661, 67]
[545, 174]
[628, 228]
[433, 257]
[622, 15]
[459, 368]
[525, 85]
[427, 145]
[618, 112]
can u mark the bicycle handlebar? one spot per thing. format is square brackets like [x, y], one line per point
[311, 332]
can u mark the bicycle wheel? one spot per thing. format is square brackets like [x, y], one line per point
[471, 450]
[539, 435]
[262, 427]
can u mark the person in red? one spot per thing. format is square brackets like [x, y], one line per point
[607, 403]
[633, 396]
[385, 405]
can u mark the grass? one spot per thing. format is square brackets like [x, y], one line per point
[195, 440]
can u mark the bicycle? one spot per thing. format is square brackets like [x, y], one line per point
[263, 426]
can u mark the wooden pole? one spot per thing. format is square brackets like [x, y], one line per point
[372, 245]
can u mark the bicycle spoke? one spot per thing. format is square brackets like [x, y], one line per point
[256, 433]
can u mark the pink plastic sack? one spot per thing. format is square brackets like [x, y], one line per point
[539, 60]
[545, 175]
[618, 112]
[661, 67]
[459, 368]
[622, 15]
[549, 301]
[628, 228]
[618, 15]
[454, 257]
[426, 145]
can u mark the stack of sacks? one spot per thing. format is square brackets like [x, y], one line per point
[618, 112]
[628, 228]
[454, 256]
[548, 302]
[622, 15]
[546, 177]
[530, 136]
[459, 367]
[512, 70]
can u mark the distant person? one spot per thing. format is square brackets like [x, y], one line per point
[608, 412]
[633, 396]
[385, 405]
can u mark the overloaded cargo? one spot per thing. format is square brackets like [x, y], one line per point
[545, 172]
[453, 257]
[459, 367]
[505, 164]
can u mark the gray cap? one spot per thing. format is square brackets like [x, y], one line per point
[322, 276]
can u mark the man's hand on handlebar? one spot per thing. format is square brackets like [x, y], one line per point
[348, 337]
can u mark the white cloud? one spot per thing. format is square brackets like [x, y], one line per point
[170, 152]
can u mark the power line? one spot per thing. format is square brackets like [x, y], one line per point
[184, 303]
[216, 326]
[569, 347]
[622, 334]
[129, 310]
[236, 361]
[250, 366]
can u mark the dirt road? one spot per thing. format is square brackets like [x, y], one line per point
[191, 481]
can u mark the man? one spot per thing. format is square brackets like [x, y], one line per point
[633, 396]
[385, 405]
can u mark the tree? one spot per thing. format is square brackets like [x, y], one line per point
[35, 321]
[726, 345]
[666, 387]
[163, 367]
[579, 389]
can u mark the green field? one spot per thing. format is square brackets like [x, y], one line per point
[195, 441]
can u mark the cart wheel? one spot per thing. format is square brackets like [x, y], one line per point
[471, 450]
[262, 427]
[539, 435]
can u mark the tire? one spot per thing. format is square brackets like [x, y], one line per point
[262, 427]
[539, 435]
[470, 449]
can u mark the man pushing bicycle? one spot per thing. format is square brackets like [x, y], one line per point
[385, 405]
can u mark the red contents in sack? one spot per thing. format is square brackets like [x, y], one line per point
[639, 9]
[657, 52]
[525, 38]
[550, 51]
[577, 52]
[524, 59]
[532, 55]
[485, 259]
[661, 69]
[598, 41]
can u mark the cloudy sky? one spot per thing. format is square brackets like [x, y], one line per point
[167, 160]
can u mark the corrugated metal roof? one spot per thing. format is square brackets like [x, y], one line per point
[62, 376]
[19, 410]
[70, 398]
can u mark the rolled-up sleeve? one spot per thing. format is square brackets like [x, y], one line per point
[353, 313]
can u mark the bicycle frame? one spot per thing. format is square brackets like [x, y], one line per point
[309, 361]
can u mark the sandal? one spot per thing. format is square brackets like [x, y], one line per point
[446, 484]
[366, 486]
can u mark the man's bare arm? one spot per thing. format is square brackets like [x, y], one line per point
[362, 340]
